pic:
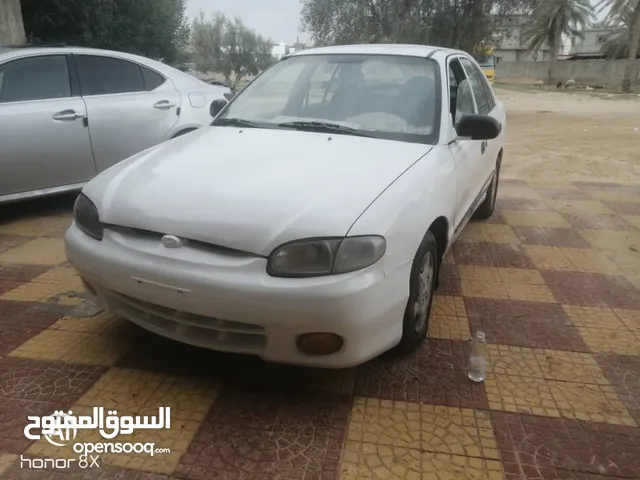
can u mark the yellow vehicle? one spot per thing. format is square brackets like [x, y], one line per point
[484, 56]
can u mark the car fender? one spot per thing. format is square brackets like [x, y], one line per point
[403, 213]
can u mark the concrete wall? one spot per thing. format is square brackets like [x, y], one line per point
[582, 71]
[11, 27]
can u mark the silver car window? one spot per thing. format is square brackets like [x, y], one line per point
[35, 78]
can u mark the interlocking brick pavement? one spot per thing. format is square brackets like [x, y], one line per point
[553, 279]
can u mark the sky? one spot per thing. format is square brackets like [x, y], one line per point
[278, 20]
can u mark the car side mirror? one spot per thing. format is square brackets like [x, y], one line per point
[217, 105]
[478, 127]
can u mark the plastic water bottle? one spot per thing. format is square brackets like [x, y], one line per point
[478, 358]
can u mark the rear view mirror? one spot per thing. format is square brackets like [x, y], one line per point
[478, 127]
[216, 106]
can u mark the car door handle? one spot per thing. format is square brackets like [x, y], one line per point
[483, 146]
[164, 105]
[67, 116]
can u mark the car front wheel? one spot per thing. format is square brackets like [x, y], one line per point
[421, 290]
[487, 207]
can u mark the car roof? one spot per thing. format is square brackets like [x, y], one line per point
[379, 49]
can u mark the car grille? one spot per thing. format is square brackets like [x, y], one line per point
[207, 332]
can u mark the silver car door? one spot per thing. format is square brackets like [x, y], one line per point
[130, 107]
[44, 142]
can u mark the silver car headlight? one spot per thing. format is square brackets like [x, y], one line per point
[325, 256]
[86, 216]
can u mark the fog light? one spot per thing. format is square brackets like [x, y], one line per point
[319, 343]
[88, 287]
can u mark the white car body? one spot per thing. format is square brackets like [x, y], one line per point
[239, 193]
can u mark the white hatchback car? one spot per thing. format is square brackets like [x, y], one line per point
[308, 224]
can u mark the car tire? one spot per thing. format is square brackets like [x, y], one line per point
[488, 206]
[422, 285]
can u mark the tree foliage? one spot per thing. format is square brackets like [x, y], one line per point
[619, 40]
[153, 28]
[226, 46]
[627, 12]
[459, 24]
[553, 20]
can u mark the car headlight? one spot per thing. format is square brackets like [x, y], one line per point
[87, 218]
[325, 256]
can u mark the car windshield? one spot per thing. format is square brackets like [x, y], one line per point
[381, 96]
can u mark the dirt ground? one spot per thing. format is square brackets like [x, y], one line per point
[558, 136]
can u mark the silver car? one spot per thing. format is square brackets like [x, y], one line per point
[67, 114]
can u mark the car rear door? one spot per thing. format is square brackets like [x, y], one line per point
[468, 154]
[130, 106]
[44, 142]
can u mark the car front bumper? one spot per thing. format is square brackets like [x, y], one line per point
[229, 303]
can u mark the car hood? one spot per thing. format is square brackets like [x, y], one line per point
[251, 189]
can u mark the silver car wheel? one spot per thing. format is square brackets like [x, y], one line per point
[424, 289]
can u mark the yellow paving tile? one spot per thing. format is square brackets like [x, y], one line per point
[558, 399]
[488, 232]
[457, 431]
[39, 251]
[612, 240]
[519, 218]
[632, 220]
[518, 191]
[630, 318]
[614, 195]
[103, 348]
[448, 306]
[593, 207]
[536, 184]
[501, 275]
[34, 227]
[507, 291]
[368, 461]
[6, 460]
[98, 324]
[593, 317]
[585, 260]
[125, 390]
[190, 399]
[385, 422]
[542, 363]
[622, 341]
[449, 327]
[60, 285]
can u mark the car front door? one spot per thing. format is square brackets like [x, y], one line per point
[44, 142]
[466, 153]
[486, 105]
[130, 107]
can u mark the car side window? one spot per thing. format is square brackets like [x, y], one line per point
[35, 78]
[105, 75]
[152, 80]
[460, 92]
[478, 82]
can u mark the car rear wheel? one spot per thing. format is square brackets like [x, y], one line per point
[486, 208]
[421, 290]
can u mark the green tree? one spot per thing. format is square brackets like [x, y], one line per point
[629, 11]
[619, 40]
[459, 24]
[553, 20]
[228, 47]
[153, 28]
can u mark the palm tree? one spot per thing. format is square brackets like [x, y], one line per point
[553, 20]
[618, 9]
[619, 40]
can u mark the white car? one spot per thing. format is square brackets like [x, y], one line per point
[308, 224]
[68, 113]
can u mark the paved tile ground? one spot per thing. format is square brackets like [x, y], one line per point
[553, 279]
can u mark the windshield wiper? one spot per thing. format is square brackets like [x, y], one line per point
[323, 127]
[235, 122]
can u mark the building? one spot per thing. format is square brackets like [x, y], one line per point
[511, 43]
[11, 27]
[282, 49]
[589, 47]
